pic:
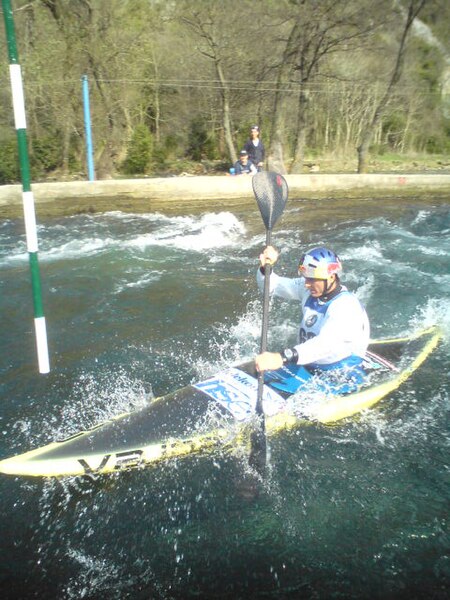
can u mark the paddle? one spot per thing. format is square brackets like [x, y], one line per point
[271, 193]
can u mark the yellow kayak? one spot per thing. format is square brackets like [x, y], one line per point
[216, 412]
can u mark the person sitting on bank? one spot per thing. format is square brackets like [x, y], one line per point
[244, 165]
[334, 331]
[255, 148]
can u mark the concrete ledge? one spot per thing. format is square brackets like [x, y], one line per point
[166, 193]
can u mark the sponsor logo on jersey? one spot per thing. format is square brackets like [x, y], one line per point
[311, 320]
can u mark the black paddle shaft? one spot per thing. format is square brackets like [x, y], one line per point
[264, 326]
[258, 452]
[271, 193]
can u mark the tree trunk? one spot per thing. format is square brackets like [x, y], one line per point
[285, 72]
[66, 148]
[414, 8]
[363, 155]
[226, 113]
[157, 114]
[156, 97]
[300, 142]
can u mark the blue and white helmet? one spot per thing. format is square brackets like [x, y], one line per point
[319, 263]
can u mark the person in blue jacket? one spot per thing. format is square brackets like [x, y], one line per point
[244, 165]
[255, 148]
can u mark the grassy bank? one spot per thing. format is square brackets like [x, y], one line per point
[384, 163]
[329, 163]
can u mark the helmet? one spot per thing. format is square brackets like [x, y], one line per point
[319, 263]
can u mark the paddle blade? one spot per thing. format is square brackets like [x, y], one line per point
[271, 193]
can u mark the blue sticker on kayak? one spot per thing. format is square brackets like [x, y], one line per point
[237, 392]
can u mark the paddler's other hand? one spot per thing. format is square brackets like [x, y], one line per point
[269, 256]
[268, 361]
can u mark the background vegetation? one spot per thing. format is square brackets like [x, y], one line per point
[175, 85]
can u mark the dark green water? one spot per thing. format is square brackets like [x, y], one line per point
[143, 304]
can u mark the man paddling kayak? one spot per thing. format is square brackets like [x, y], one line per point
[334, 331]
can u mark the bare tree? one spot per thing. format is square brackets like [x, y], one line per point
[203, 20]
[223, 37]
[280, 112]
[316, 30]
[203, 23]
[414, 8]
[314, 74]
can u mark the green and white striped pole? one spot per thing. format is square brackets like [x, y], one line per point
[27, 195]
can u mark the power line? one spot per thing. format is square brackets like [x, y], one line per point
[241, 85]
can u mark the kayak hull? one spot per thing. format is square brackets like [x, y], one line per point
[198, 418]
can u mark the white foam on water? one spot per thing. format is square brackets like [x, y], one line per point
[434, 312]
[16, 256]
[210, 231]
[81, 236]
[368, 252]
[431, 251]
[420, 217]
[78, 247]
[363, 291]
[141, 282]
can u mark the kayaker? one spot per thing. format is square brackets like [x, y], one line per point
[334, 331]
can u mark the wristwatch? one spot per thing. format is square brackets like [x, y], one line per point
[289, 355]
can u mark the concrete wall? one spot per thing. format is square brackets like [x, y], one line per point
[154, 193]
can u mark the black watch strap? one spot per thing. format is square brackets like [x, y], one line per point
[289, 355]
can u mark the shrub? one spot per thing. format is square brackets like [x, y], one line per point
[393, 128]
[201, 143]
[46, 154]
[140, 151]
[171, 144]
[9, 162]
[437, 144]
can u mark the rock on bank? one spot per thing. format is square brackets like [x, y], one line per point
[190, 194]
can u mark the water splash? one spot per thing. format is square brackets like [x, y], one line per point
[95, 573]
[433, 312]
[210, 231]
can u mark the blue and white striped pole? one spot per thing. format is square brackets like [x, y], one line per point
[27, 195]
[87, 128]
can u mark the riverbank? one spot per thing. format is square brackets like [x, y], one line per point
[195, 192]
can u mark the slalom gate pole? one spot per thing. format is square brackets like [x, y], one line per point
[87, 128]
[27, 195]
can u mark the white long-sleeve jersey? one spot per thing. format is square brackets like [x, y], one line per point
[329, 331]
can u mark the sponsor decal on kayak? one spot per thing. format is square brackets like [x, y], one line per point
[237, 392]
[123, 460]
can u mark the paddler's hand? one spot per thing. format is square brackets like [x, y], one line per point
[268, 361]
[269, 256]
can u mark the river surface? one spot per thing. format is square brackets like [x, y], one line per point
[139, 305]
